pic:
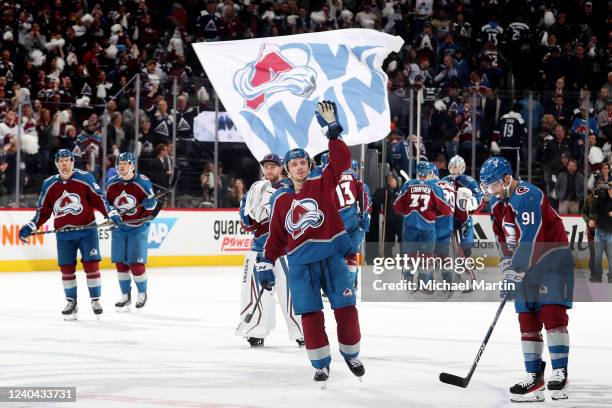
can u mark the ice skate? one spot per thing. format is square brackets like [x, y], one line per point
[356, 367]
[123, 305]
[558, 384]
[141, 301]
[71, 310]
[530, 389]
[321, 376]
[255, 341]
[96, 307]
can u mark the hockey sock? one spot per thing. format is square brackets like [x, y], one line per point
[353, 264]
[315, 338]
[531, 341]
[94, 284]
[140, 276]
[69, 281]
[125, 281]
[349, 334]
[555, 321]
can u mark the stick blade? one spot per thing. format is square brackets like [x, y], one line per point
[453, 380]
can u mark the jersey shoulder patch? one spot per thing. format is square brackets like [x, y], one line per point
[522, 190]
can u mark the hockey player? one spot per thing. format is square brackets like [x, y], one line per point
[71, 197]
[420, 202]
[255, 217]
[306, 225]
[465, 202]
[536, 258]
[444, 223]
[353, 202]
[132, 195]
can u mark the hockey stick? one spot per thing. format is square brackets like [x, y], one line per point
[92, 226]
[248, 317]
[460, 252]
[135, 221]
[175, 176]
[464, 381]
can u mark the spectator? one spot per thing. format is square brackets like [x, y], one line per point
[208, 186]
[233, 198]
[111, 168]
[118, 136]
[441, 165]
[587, 208]
[129, 114]
[601, 219]
[553, 148]
[560, 110]
[599, 177]
[570, 189]
[161, 169]
[604, 119]
[146, 138]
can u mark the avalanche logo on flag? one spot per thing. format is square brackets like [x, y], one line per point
[276, 70]
[67, 204]
[302, 215]
[271, 86]
[125, 203]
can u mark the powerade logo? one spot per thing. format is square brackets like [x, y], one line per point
[159, 230]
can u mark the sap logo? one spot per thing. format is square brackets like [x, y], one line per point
[125, 203]
[159, 230]
[67, 204]
[275, 70]
[302, 215]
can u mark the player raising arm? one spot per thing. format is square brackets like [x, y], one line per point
[306, 225]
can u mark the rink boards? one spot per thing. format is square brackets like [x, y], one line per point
[206, 237]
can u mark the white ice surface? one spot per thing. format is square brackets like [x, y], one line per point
[181, 352]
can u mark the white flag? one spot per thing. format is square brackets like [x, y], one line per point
[271, 86]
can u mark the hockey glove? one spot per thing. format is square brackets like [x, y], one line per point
[149, 204]
[114, 216]
[264, 273]
[26, 231]
[327, 116]
[511, 280]
[505, 263]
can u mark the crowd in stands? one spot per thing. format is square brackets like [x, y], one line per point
[69, 68]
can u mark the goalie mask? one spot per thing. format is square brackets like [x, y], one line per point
[456, 166]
